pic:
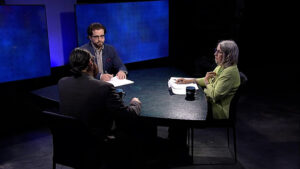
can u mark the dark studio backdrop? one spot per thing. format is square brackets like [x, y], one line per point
[262, 31]
[138, 30]
[24, 43]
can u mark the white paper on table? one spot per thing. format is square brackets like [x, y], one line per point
[180, 88]
[119, 82]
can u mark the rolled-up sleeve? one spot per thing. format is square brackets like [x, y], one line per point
[201, 82]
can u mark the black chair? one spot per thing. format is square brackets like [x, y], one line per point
[225, 123]
[73, 145]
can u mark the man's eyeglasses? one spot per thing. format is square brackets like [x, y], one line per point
[97, 37]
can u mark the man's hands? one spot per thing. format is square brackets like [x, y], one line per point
[121, 75]
[135, 99]
[106, 77]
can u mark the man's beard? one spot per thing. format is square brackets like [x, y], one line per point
[98, 45]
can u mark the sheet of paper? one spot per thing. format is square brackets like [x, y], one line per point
[119, 82]
[180, 88]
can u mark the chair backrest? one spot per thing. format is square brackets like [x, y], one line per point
[73, 145]
[236, 97]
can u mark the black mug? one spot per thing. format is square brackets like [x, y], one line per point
[190, 93]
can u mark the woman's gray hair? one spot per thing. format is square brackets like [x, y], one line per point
[231, 52]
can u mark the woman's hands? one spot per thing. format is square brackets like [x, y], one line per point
[208, 76]
[185, 81]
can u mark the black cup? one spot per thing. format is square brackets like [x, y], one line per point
[120, 92]
[190, 93]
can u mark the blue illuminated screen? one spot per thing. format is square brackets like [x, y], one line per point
[24, 48]
[138, 30]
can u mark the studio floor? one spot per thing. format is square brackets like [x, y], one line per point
[268, 128]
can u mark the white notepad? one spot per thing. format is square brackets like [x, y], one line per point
[180, 88]
[119, 82]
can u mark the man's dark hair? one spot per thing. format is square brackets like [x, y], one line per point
[79, 60]
[95, 26]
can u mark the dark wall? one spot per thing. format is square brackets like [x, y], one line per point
[19, 109]
[262, 31]
[267, 30]
[196, 27]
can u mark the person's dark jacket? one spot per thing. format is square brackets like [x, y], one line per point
[95, 102]
[112, 63]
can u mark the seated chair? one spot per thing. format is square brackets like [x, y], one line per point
[73, 145]
[225, 123]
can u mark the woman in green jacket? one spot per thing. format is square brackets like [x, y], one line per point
[222, 83]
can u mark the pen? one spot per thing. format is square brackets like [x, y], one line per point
[108, 73]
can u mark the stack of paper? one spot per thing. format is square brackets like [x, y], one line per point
[119, 82]
[180, 88]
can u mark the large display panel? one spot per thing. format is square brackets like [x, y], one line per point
[138, 30]
[24, 48]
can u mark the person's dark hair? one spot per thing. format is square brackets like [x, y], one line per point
[79, 60]
[231, 52]
[95, 26]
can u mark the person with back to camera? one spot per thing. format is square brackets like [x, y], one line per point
[94, 102]
[106, 57]
[222, 83]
